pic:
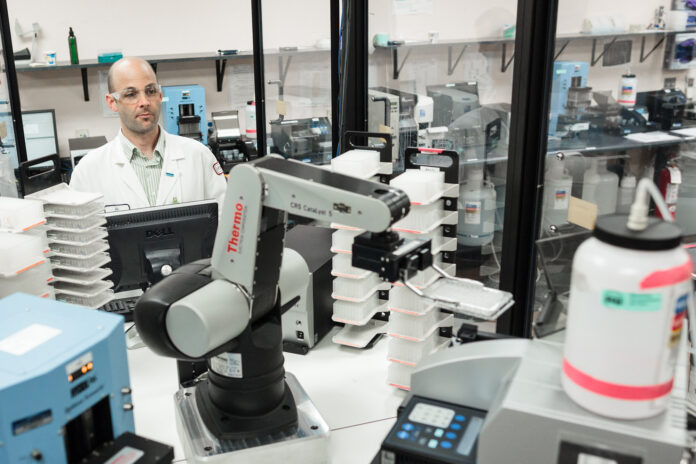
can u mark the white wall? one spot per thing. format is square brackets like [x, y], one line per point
[171, 27]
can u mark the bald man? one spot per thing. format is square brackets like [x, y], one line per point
[144, 165]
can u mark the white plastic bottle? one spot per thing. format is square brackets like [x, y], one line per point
[600, 187]
[557, 190]
[627, 90]
[630, 291]
[627, 191]
[250, 119]
[476, 210]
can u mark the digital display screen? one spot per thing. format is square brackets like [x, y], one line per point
[466, 444]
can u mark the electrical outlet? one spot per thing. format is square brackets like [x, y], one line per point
[81, 133]
[670, 83]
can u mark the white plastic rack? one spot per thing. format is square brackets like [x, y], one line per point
[418, 327]
[358, 294]
[79, 250]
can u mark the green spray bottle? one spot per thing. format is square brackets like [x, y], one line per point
[72, 45]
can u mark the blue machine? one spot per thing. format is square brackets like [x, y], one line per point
[566, 74]
[64, 385]
[183, 111]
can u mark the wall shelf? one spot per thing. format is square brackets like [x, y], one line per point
[219, 59]
[562, 41]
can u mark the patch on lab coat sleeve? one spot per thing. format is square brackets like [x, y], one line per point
[217, 169]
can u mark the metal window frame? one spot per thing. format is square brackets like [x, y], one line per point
[531, 92]
[260, 75]
[12, 84]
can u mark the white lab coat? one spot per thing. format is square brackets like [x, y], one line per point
[190, 172]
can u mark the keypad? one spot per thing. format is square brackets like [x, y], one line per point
[431, 415]
[435, 430]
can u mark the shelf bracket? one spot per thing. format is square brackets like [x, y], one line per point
[504, 65]
[595, 60]
[563, 47]
[450, 66]
[395, 61]
[643, 56]
[85, 87]
[283, 70]
[220, 72]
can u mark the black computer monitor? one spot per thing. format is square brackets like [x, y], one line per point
[147, 244]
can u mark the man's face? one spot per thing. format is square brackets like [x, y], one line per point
[139, 115]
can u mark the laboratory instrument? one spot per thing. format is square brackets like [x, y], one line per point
[451, 101]
[307, 139]
[665, 107]
[305, 287]
[226, 140]
[630, 288]
[227, 311]
[486, 402]
[183, 111]
[65, 392]
[566, 75]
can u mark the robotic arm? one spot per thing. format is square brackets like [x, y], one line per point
[241, 284]
[228, 311]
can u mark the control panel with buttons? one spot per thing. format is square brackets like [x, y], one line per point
[435, 431]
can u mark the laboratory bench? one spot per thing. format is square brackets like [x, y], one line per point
[602, 143]
[347, 386]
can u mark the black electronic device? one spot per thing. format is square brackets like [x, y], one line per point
[122, 306]
[131, 448]
[305, 320]
[147, 244]
[435, 432]
[666, 107]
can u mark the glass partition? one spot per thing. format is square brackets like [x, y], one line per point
[620, 110]
[440, 77]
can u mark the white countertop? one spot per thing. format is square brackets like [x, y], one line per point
[347, 386]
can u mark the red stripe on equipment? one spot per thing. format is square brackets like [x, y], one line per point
[667, 277]
[615, 390]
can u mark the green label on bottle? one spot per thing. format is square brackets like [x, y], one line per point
[631, 301]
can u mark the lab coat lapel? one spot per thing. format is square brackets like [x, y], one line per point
[170, 177]
[130, 179]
